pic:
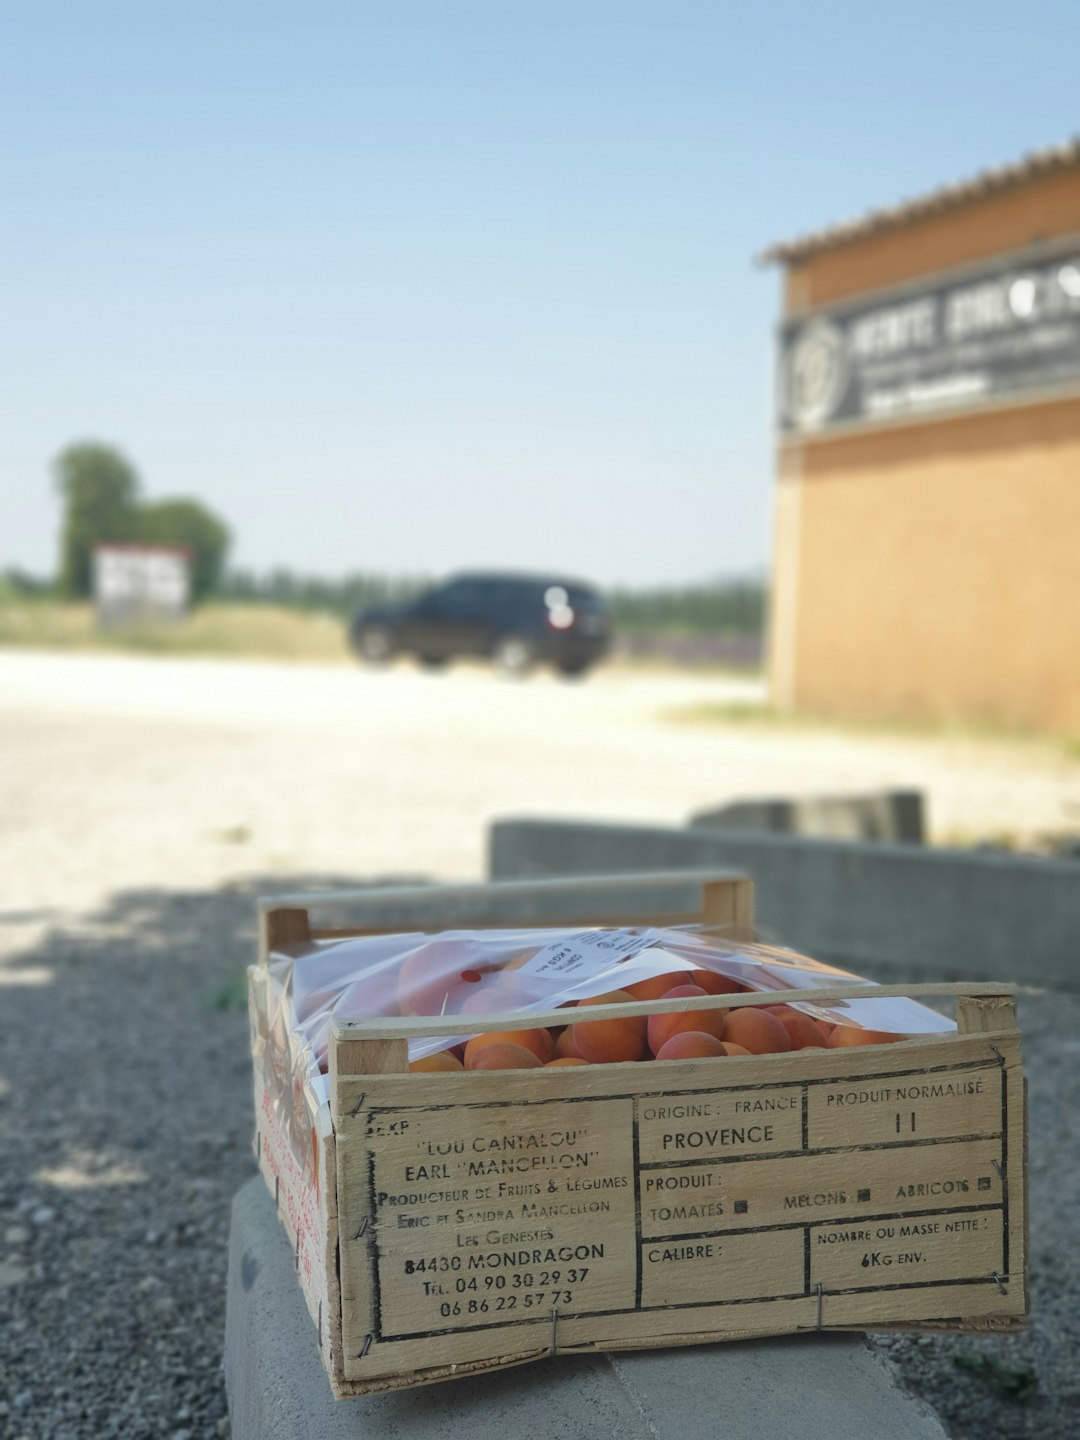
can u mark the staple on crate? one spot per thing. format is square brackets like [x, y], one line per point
[367, 1346]
[554, 1332]
[820, 1306]
[998, 1281]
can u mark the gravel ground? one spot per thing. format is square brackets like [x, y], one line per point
[138, 804]
[1027, 1384]
[120, 1156]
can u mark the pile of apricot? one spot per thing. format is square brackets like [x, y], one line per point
[764, 1029]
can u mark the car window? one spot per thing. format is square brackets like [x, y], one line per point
[513, 595]
[475, 596]
[457, 597]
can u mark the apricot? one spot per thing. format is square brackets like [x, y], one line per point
[662, 1027]
[511, 989]
[441, 1060]
[609, 1041]
[757, 1031]
[690, 1045]
[565, 1060]
[538, 1041]
[730, 1048]
[712, 983]
[654, 986]
[484, 999]
[803, 1031]
[565, 1048]
[425, 981]
[427, 978]
[845, 1035]
[503, 1056]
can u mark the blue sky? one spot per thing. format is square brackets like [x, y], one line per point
[404, 286]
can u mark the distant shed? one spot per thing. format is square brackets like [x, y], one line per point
[927, 523]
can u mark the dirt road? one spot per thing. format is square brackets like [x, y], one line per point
[118, 771]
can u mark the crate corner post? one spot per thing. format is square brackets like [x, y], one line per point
[281, 924]
[729, 903]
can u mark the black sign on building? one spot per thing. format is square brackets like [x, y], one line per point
[1008, 329]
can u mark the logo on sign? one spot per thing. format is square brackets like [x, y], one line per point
[817, 374]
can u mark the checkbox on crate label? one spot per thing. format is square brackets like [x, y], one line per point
[741, 1207]
[984, 1182]
[863, 1196]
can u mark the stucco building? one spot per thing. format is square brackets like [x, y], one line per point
[927, 523]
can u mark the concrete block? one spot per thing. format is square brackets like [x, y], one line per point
[829, 1386]
[874, 909]
[890, 815]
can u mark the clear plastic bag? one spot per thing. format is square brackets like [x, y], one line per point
[485, 972]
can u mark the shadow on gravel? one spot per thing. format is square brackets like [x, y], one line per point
[125, 1128]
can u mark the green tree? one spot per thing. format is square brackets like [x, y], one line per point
[100, 490]
[186, 522]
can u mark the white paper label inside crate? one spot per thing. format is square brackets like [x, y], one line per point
[591, 952]
[583, 963]
[894, 1015]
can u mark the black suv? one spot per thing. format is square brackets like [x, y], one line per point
[515, 620]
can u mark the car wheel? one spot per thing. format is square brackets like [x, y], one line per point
[375, 644]
[574, 669]
[513, 655]
[432, 662]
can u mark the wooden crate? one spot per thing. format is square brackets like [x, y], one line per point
[485, 1219]
[295, 1140]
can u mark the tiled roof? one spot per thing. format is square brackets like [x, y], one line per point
[987, 182]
